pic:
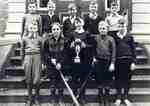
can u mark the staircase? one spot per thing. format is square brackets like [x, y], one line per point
[15, 91]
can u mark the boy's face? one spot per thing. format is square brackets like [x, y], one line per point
[121, 27]
[51, 7]
[114, 8]
[103, 29]
[56, 31]
[72, 11]
[93, 7]
[32, 8]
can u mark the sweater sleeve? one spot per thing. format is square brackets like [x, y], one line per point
[113, 50]
[45, 52]
[23, 31]
[22, 48]
[132, 45]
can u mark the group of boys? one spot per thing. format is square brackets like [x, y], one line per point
[76, 47]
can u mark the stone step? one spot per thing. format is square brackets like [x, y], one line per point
[13, 27]
[16, 7]
[19, 70]
[43, 92]
[18, 82]
[139, 58]
[142, 70]
[141, 27]
[139, 51]
[69, 104]
[15, 17]
[16, 1]
[141, 7]
[141, 18]
[12, 95]
[16, 61]
[140, 1]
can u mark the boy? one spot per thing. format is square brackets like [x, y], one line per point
[50, 18]
[54, 56]
[80, 69]
[30, 17]
[113, 19]
[92, 19]
[68, 24]
[104, 61]
[125, 62]
[31, 53]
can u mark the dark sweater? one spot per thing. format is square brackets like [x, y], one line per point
[86, 54]
[125, 47]
[91, 25]
[54, 49]
[106, 48]
[68, 27]
[47, 21]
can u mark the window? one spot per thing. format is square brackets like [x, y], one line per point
[42, 4]
[108, 4]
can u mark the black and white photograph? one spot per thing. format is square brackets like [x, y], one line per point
[74, 52]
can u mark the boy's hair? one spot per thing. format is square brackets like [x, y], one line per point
[93, 2]
[114, 3]
[50, 2]
[103, 23]
[32, 2]
[80, 20]
[72, 5]
[58, 24]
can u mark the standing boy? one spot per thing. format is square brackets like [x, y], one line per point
[125, 62]
[113, 20]
[30, 17]
[50, 18]
[104, 61]
[54, 56]
[92, 19]
[68, 24]
[81, 50]
[31, 53]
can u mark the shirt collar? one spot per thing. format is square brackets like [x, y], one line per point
[93, 16]
[50, 14]
[121, 35]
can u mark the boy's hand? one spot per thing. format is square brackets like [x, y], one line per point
[94, 61]
[58, 66]
[53, 61]
[72, 44]
[43, 66]
[111, 67]
[83, 45]
[132, 67]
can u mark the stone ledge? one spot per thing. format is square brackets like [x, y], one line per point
[5, 53]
